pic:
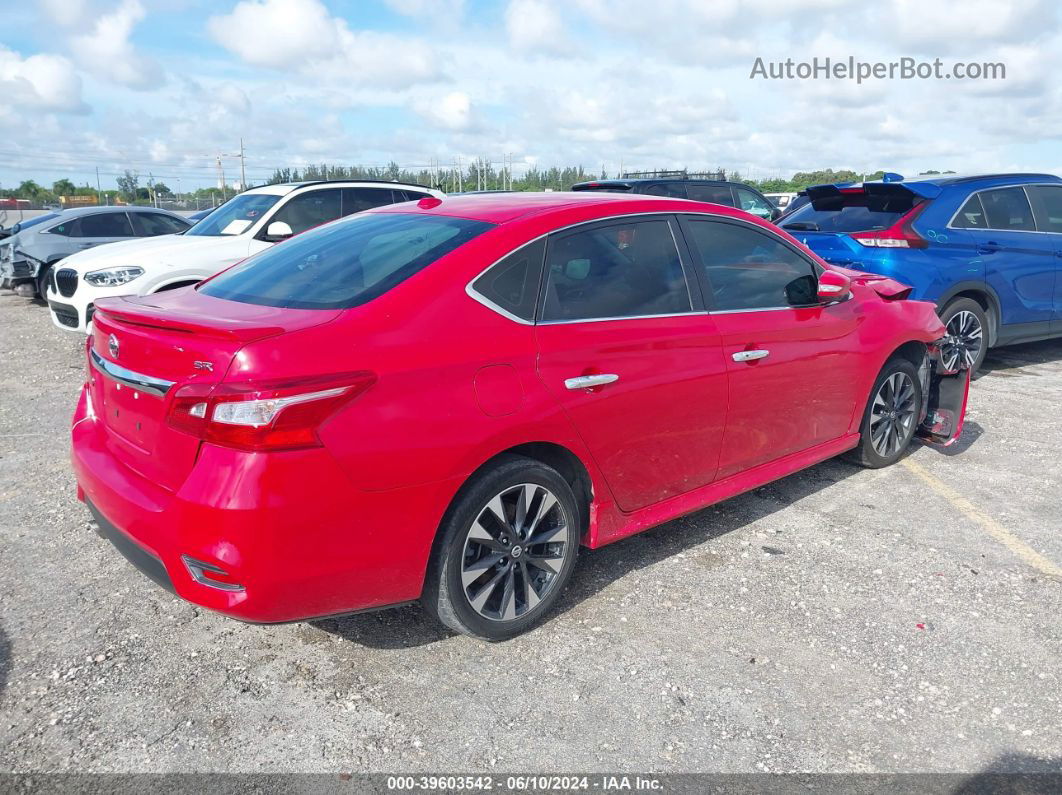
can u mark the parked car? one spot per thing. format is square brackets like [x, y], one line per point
[36, 245]
[716, 191]
[199, 215]
[986, 249]
[443, 399]
[247, 223]
[780, 200]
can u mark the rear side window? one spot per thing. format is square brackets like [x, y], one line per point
[512, 284]
[153, 224]
[1049, 198]
[308, 210]
[346, 264]
[104, 225]
[716, 194]
[971, 215]
[66, 229]
[1008, 209]
[618, 270]
[747, 269]
[675, 190]
[357, 199]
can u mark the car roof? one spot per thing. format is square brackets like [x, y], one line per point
[114, 208]
[955, 179]
[284, 188]
[498, 208]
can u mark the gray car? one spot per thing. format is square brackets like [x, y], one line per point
[27, 256]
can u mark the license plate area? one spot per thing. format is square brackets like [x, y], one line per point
[131, 414]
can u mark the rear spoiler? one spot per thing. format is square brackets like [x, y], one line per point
[831, 197]
[134, 311]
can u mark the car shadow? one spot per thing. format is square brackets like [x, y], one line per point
[971, 432]
[1009, 361]
[410, 626]
[1014, 773]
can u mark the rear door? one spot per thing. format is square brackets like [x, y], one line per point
[707, 192]
[792, 361]
[1019, 261]
[753, 203]
[1047, 206]
[627, 350]
[97, 228]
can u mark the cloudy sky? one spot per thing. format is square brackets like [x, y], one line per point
[163, 86]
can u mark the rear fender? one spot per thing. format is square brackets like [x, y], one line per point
[946, 394]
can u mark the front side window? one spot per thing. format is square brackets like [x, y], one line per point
[512, 284]
[1050, 198]
[971, 215]
[620, 270]
[1007, 209]
[346, 264]
[103, 225]
[235, 216]
[153, 224]
[753, 203]
[310, 209]
[357, 199]
[748, 269]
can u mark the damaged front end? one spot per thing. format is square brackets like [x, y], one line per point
[946, 391]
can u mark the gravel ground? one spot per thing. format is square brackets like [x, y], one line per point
[838, 620]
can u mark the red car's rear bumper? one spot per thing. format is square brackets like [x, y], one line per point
[294, 534]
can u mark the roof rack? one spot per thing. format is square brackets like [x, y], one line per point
[676, 174]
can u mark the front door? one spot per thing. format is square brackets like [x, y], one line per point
[793, 362]
[1047, 205]
[626, 348]
[1019, 264]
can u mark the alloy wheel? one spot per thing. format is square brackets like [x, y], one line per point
[963, 343]
[514, 551]
[892, 417]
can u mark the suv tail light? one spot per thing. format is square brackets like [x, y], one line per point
[900, 235]
[267, 415]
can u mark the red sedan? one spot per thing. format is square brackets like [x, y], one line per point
[444, 400]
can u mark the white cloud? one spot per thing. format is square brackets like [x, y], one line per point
[303, 35]
[452, 111]
[534, 25]
[445, 13]
[41, 82]
[107, 51]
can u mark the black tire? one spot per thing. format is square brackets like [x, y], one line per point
[870, 452]
[43, 277]
[966, 320]
[517, 579]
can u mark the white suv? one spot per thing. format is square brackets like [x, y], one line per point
[244, 225]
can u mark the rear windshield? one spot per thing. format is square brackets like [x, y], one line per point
[345, 263]
[849, 213]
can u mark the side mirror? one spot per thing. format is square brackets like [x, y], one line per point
[776, 213]
[834, 286]
[278, 230]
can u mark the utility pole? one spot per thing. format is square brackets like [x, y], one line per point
[99, 190]
[221, 176]
[243, 173]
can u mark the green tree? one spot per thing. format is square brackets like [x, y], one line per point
[128, 184]
[63, 187]
[28, 189]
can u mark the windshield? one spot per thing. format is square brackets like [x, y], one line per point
[850, 214]
[344, 264]
[40, 219]
[235, 216]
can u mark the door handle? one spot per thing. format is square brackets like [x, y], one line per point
[988, 248]
[590, 381]
[750, 356]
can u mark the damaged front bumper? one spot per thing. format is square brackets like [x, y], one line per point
[946, 391]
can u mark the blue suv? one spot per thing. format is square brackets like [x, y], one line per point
[986, 249]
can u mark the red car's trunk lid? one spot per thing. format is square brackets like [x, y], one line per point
[144, 349]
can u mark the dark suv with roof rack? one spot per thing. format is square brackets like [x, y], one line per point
[678, 185]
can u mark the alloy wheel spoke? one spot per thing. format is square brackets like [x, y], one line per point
[547, 562]
[484, 593]
[473, 571]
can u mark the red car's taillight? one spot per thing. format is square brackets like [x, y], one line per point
[900, 235]
[266, 415]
